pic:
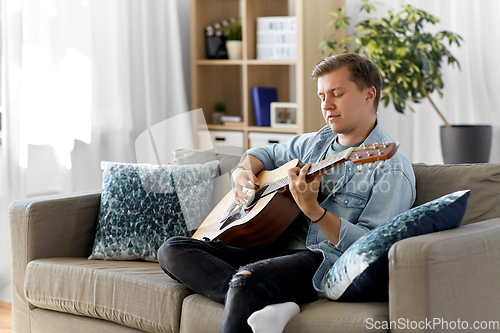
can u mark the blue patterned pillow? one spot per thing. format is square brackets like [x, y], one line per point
[143, 205]
[362, 274]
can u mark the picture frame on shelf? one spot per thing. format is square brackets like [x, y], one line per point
[283, 115]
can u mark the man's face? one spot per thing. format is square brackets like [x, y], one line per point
[346, 109]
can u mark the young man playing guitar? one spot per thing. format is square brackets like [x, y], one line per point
[337, 207]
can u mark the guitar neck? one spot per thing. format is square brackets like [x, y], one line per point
[324, 164]
[358, 155]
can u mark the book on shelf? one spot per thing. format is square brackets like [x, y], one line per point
[262, 98]
[231, 119]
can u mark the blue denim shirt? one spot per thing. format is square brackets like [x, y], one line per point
[362, 200]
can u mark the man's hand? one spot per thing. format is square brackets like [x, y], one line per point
[305, 193]
[241, 179]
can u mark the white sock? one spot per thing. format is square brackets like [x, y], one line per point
[273, 318]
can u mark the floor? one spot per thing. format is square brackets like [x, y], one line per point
[5, 318]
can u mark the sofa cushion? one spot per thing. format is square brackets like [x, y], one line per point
[361, 273]
[43, 321]
[199, 314]
[142, 205]
[131, 293]
[483, 180]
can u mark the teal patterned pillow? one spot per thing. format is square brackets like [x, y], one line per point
[362, 272]
[143, 205]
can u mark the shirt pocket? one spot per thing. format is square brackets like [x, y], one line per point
[350, 200]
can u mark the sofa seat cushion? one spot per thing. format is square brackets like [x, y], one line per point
[131, 293]
[199, 314]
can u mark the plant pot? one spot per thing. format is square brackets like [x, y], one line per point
[466, 143]
[217, 117]
[234, 49]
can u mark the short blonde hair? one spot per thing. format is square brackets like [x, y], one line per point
[363, 71]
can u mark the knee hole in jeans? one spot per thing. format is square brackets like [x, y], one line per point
[245, 271]
[239, 278]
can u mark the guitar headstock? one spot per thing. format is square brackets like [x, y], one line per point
[373, 152]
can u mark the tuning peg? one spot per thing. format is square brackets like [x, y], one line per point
[381, 164]
[370, 166]
[359, 167]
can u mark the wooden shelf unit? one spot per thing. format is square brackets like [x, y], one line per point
[230, 81]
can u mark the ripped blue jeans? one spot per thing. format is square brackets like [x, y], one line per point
[244, 280]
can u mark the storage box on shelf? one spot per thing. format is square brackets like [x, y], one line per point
[210, 139]
[259, 139]
[231, 81]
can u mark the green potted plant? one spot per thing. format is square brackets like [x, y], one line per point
[233, 40]
[410, 61]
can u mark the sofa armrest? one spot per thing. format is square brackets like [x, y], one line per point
[45, 227]
[446, 276]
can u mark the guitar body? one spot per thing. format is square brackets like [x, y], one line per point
[263, 222]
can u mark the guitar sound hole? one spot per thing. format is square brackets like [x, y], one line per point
[235, 215]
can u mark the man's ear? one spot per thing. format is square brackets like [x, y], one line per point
[371, 92]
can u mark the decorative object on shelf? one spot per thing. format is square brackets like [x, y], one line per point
[284, 115]
[234, 44]
[215, 40]
[408, 58]
[277, 37]
[219, 112]
[262, 98]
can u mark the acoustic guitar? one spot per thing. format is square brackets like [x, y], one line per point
[272, 208]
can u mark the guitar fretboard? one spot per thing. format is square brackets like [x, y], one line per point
[282, 182]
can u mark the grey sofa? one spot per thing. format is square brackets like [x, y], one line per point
[448, 276]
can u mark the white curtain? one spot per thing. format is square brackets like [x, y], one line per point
[81, 79]
[469, 93]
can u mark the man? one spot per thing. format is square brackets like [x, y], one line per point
[337, 208]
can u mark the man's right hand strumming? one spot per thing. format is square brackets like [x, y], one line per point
[243, 179]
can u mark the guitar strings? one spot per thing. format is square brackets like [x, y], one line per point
[282, 182]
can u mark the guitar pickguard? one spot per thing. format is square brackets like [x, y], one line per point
[236, 214]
